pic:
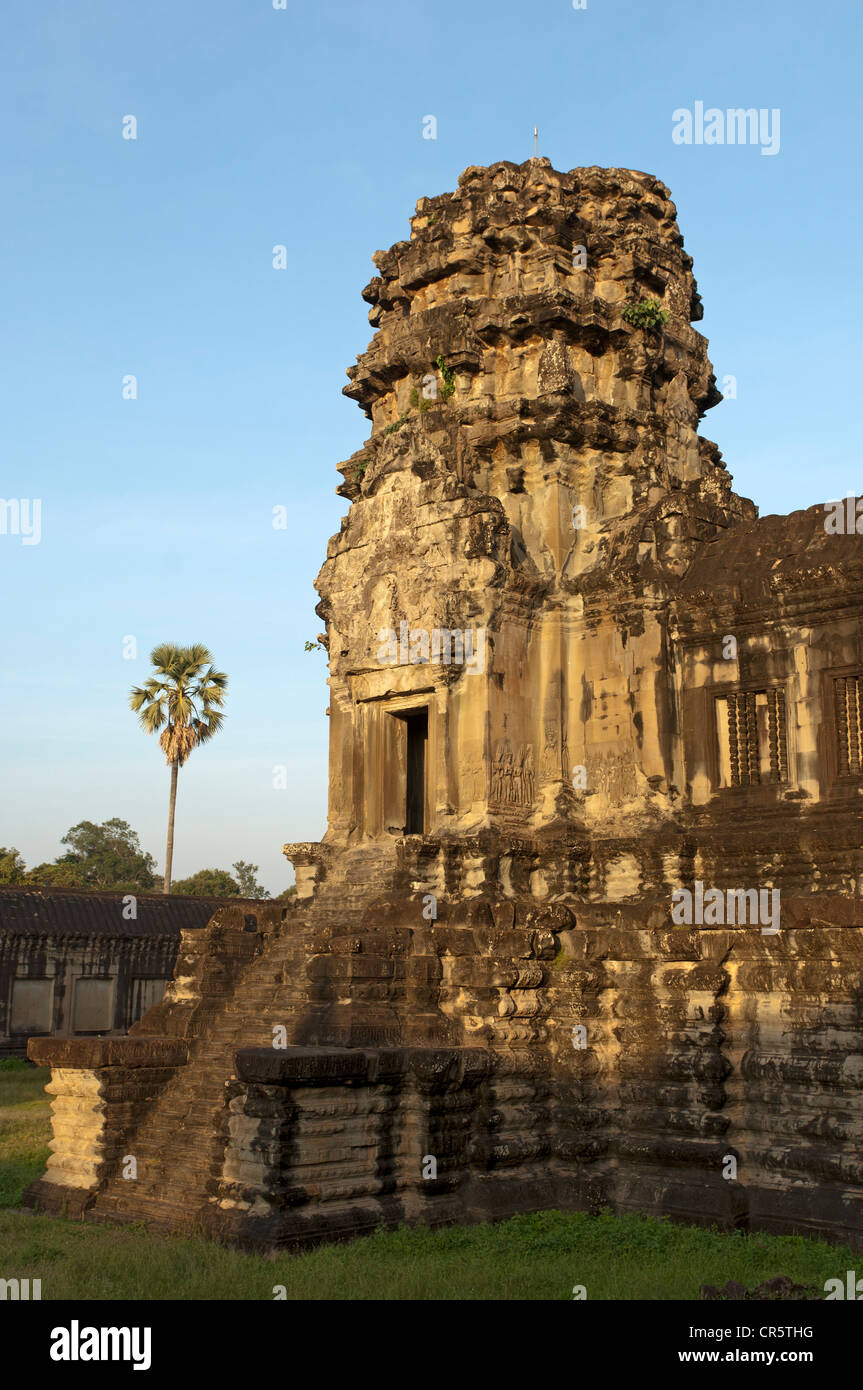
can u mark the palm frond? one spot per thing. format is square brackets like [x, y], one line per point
[164, 657]
[198, 655]
[206, 728]
[183, 699]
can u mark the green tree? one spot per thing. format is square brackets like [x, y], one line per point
[208, 883]
[184, 699]
[107, 855]
[98, 857]
[246, 878]
[61, 874]
[12, 866]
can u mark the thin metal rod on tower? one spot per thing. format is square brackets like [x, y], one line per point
[535, 143]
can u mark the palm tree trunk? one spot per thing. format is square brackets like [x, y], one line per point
[169, 852]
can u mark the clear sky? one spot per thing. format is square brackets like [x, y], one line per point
[152, 257]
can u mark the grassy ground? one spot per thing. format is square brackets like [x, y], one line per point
[24, 1127]
[529, 1257]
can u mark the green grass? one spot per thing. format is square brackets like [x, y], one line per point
[24, 1127]
[528, 1257]
[535, 1257]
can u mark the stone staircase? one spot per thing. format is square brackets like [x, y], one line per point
[179, 1148]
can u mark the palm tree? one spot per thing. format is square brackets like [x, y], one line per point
[184, 700]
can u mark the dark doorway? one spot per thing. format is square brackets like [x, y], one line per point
[417, 731]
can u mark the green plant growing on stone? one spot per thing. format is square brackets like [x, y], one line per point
[448, 375]
[648, 314]
[422, 403]
[397, 424]
[314, 647]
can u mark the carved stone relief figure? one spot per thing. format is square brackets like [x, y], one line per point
[512, 781]
[555, 756]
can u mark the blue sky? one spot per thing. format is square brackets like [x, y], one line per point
[153, 257]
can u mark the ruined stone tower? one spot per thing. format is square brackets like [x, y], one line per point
[546, 510]
[574, 679]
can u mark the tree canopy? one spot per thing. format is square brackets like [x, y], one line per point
[12, 866]
[98, 857]
[207, 883]
[246, 878]
[218, 883]
[109, 856]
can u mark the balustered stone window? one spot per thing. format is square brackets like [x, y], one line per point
[93, 1005]
[751, 728]
[32, 1004]
[849, 717]
[144, 994]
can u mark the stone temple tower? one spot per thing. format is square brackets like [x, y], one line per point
[543, 507]
[575, 682]
[523, 517]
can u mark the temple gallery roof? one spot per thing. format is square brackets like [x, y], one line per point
[755, 558]
[65, 912]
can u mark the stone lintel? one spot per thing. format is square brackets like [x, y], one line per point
[94, 1053]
